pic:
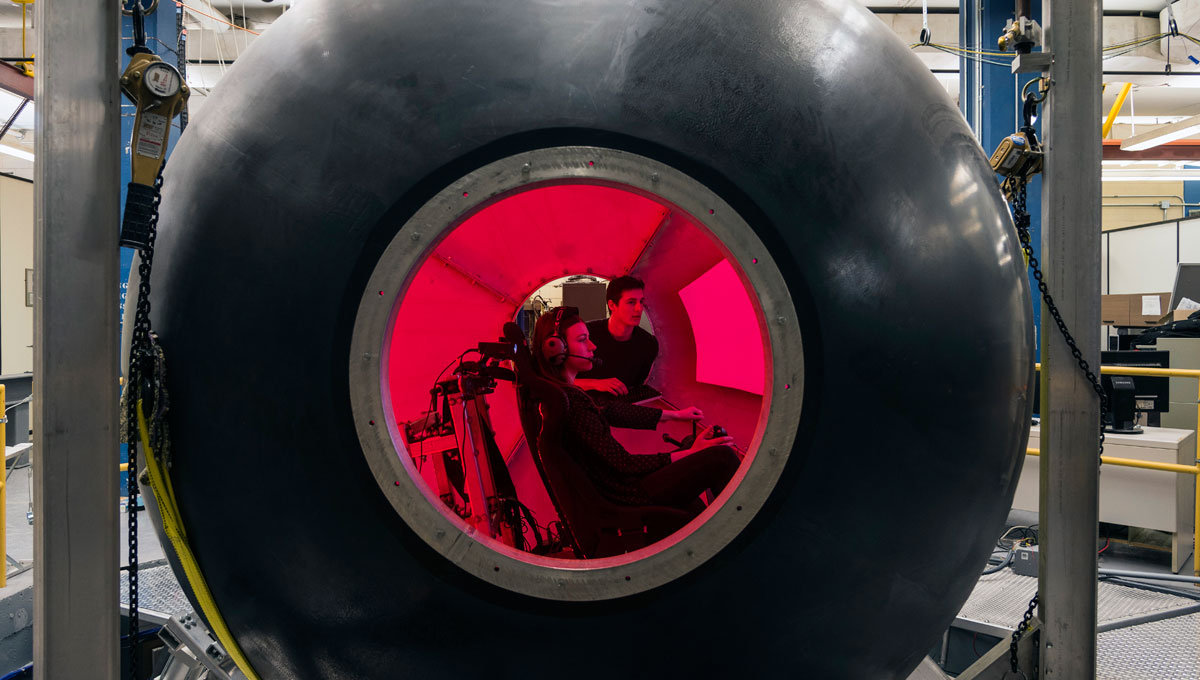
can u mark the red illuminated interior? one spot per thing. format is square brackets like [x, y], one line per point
[708, 323]
[725, 353]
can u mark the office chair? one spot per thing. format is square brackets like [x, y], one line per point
[595, 526]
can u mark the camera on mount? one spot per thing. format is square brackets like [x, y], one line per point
[499, 351]
[479, 377]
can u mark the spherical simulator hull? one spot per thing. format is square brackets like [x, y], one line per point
[797, 149]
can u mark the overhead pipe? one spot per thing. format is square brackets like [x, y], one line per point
[1148, 575]
[1022, 9]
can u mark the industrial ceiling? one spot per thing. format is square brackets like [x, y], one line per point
[220, 30]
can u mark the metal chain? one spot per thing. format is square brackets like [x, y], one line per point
[141, 358]
[1021, 219]
[181, 63]
[1020, 631]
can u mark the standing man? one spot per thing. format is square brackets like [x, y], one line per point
[626, 350]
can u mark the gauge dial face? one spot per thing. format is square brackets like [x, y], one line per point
[162, 80]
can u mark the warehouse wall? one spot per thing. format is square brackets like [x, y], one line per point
[1143, 259]
[16, 255]
[1128, 203]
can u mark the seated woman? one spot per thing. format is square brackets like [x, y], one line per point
[561, 350]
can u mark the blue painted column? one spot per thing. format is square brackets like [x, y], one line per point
[1191, 195]
[163, 29]
[990, 99]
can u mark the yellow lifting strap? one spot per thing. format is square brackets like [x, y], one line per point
[164, 495]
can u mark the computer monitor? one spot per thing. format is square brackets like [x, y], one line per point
[1187, 284]
[1131, 394]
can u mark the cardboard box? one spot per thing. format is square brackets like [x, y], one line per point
[1134, 309]
[1177, 315]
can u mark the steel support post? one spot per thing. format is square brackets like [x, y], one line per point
[1069, 506]
[76, 619]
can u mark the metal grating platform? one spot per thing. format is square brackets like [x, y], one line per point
[999, 600]
[158, 590]
[1148, 635]
[1159, 650]
[1162, 650]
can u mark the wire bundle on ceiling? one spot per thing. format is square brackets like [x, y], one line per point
[993, 56]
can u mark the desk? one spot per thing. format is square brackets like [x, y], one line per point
[1150, 499]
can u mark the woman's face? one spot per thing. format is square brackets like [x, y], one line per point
[579, 347]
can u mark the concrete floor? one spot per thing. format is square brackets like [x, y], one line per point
[19, 536]
[16, 598]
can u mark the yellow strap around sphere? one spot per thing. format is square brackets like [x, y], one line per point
[164, 496]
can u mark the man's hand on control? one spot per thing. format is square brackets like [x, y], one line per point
[704, 441]
[689, 413]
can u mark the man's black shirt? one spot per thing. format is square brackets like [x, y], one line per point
[628, 361]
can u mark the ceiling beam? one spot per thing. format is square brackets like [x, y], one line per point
[1181, 150]
[14, 80]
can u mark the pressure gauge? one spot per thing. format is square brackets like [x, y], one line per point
[162, 79]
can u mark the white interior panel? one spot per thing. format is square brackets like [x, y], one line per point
[1104, 265]
[1143, 260]
[16, 256]
[1189, 240]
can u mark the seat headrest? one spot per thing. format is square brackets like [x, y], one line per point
[513, 333]
[533, 385]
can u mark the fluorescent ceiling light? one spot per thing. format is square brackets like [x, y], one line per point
[1146, 164]
[1131, 175]
[17, 153]
[1161, 135]
[1141, 120]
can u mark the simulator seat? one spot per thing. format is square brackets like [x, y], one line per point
[594, 526]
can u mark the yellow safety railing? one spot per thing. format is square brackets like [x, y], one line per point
[1193, 470]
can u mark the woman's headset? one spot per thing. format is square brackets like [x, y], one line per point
[554, 347]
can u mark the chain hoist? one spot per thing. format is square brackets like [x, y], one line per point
[1018, 158]
[1018, 163]
[159, 94]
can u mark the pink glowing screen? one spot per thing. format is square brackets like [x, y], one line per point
[729, 349]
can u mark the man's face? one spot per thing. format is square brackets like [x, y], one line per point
[630, 307]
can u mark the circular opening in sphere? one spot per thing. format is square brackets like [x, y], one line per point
[580, 471]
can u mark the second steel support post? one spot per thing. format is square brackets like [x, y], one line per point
[1069, 509]
[76, 620]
